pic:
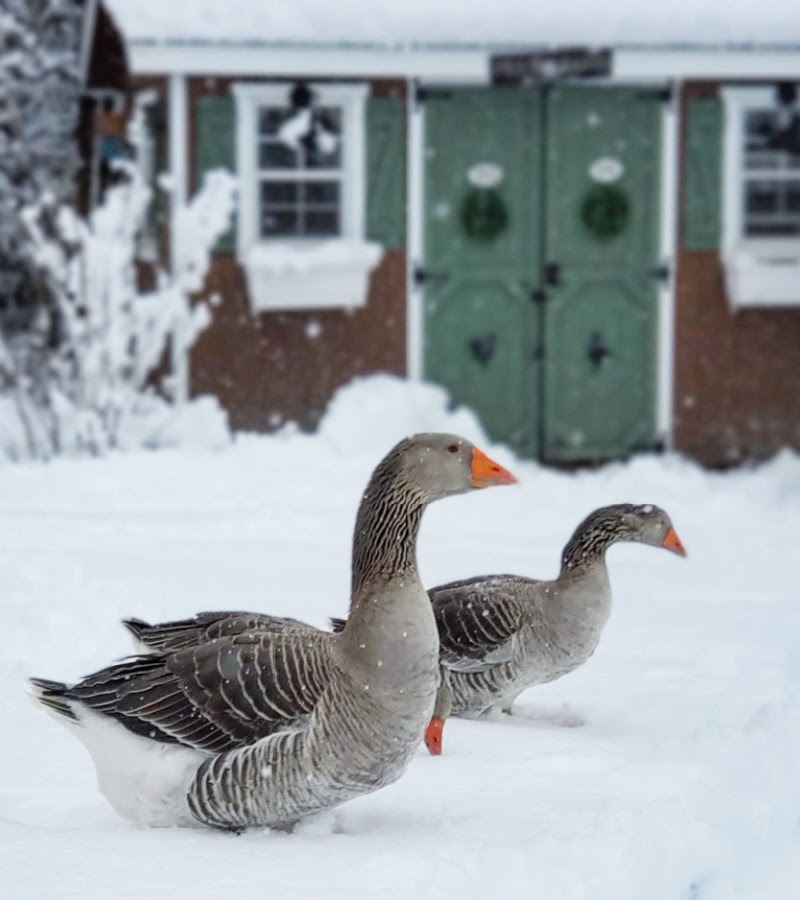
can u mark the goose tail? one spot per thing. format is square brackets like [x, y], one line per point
[337, 624]
[53, 696]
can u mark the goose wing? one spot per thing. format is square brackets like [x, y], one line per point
[478, 620]
[217, 695]
[208, 626]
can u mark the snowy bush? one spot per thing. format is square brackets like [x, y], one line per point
[82, 379]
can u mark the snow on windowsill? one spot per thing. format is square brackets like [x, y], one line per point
[283, 275]
[762, 279]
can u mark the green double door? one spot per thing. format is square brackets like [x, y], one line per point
[541, 268]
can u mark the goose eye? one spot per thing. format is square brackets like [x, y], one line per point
[454, 448]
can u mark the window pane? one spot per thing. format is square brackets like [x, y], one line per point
[772, 139]
[325, 151]
[279, 192]
[321, 192]
[323, 154]
[270, 119]
[277, 155]
[772, 208]
[762, 197]
[793, 197]
[321, 223]
[279, 223]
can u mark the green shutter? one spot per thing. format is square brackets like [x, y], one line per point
[216, 147]
[702, 199]
[386, 172]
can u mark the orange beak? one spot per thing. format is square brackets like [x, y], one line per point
[673, 542]
[433, 736]
[486, 472]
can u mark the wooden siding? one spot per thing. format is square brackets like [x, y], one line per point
[737, 375]
[270, 368]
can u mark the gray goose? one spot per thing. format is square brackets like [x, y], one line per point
[501, 634]
[265, 727]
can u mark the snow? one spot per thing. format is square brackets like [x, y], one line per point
[299, 259]
[325, 273]
[682, 783]
[454, 22]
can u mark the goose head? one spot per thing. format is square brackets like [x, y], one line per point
[646, 524]
[649, 524]
[440, 465]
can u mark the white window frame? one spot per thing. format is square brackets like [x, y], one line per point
[297, 273]
[759, 271]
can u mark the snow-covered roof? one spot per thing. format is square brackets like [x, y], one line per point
[396, 23]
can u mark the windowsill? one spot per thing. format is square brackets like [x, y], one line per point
[762, 277]
[290, 275]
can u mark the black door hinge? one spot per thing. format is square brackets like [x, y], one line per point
[660, 273]
[424, 276]
[662, 94]
[539, 295]
[423, 93]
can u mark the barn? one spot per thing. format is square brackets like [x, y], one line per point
[585, 227]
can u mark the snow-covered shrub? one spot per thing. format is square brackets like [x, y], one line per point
[82, 378]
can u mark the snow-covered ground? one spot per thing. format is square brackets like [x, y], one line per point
[683, 783]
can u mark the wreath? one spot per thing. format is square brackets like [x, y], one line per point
[605, 211]
[484, 215]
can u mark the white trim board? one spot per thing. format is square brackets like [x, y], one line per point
[448, 65]
[707, 63]
[668, 251]
[178, 131]
[415, 320]
[458, 64]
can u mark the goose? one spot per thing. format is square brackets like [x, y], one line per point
[501, 634]
[263, 728]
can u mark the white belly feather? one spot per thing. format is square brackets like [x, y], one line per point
[146, 781]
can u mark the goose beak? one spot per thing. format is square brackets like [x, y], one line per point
[673, 542]
[486, 472]
[433, 736]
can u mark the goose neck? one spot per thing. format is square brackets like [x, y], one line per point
[385, 538]
[585, 549]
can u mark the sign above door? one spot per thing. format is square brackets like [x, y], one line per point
[550, 65]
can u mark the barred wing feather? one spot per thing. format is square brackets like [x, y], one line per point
[218, 695]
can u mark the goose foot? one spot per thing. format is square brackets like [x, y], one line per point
[433, 736]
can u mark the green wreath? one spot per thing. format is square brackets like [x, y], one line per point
[605, 211]
[484, 215]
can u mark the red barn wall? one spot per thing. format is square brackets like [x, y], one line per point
[737, 375]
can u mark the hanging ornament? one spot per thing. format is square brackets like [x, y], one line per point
[484, 215]
[605, 211]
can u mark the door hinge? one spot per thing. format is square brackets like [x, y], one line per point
[423, 93]
[423, 276]
[660, 273]
[662, 94]
[539, 295]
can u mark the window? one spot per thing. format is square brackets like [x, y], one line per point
[771, 173]
[761, 237]
[301, 160]
[300, 172]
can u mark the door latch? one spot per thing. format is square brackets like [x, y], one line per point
[482, 347]
[597, 351]
[552, 274]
